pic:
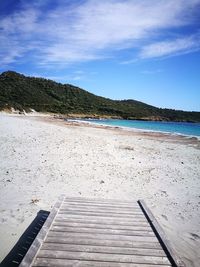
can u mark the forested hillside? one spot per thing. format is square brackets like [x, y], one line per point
[25, 93]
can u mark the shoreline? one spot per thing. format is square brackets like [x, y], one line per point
[140, 130]
[90, 122]
[43, 157]
[163, 136]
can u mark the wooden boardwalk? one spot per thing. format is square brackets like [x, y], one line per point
[100, 233]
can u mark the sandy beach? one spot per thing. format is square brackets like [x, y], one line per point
[42, 157]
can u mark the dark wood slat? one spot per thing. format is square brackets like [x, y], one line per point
[101, 210]
[102, 226]
[43, 262]
[104, 236]
[102, 214]
[97, 221]
[102, 257]
[103, 249]
[100, 218]
[102, 204]
[101, 231]
[100, 242]
[101, 207]
[100, 200]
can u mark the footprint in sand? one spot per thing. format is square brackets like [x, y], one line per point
[195, 236]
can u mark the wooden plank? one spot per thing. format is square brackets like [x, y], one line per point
[102, 210]
[160, 234]
[100, 218]
[106, 204]
[100, 242]
[102, 257]
[101, 207]
[101, 200]
[103, 249]
[37, 243]
[103, 204]
[84, 224]
[43, 262]
[97, 221]
[101, 231]
[104, 236]
[103, 214]
[96, 204]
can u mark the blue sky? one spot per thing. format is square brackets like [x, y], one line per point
[147, 50]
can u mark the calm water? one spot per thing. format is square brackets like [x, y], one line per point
[184, 128]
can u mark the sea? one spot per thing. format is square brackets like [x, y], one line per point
[180, 128]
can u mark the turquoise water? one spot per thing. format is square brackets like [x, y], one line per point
[184, 128]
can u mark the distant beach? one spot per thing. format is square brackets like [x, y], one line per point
[42, 157]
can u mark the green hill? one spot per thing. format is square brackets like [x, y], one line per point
[25, 93]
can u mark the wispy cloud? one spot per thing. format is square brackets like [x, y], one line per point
[75, 75]
[92, 30]
[173, 47]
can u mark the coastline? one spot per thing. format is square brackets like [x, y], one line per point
[85, 121]
[132, 129]
[43, 157]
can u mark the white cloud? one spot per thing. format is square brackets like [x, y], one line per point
[172, 47]
[10, 51]
[92, 29]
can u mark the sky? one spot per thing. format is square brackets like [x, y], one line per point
[147, 50]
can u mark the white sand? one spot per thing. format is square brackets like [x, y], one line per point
[41, 160]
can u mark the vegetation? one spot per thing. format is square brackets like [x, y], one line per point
[25, 93]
